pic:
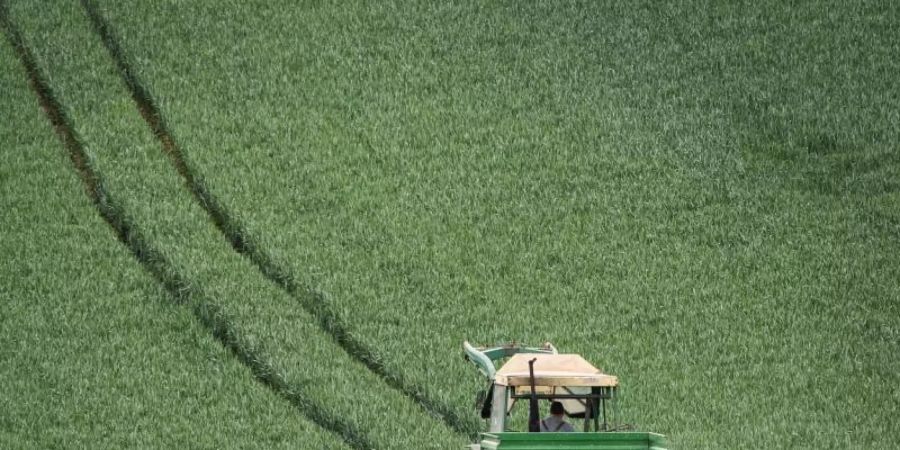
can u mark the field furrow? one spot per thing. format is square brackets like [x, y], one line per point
[242, 242]
[144, 102]
[182, 291]
[267, 329]
[93, 353]
[704, 203]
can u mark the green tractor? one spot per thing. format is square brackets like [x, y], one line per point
[534, 374]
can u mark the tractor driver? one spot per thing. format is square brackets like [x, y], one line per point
[556, 421]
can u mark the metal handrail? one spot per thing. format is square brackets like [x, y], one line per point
[484, 357]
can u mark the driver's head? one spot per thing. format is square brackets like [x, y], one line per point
[556, 408]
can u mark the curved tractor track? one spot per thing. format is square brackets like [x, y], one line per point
[182, 291]
[311, 300]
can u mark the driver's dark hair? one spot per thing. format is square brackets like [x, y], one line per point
[556, 408]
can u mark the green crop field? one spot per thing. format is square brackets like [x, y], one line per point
[95, 354]
[297, 211]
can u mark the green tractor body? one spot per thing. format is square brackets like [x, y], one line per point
[583, 441]
[580, 391]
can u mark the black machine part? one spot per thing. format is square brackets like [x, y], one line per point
[534, 420]
[485, 401]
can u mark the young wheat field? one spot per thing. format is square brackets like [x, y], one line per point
[260, 224]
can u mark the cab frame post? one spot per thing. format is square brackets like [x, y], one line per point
[498, 410]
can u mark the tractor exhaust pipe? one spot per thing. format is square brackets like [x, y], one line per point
[534, 421]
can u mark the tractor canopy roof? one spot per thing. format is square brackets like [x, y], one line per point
[552, 370]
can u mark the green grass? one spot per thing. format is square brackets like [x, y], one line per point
[95, 354]
[701, 198]
[267, 328]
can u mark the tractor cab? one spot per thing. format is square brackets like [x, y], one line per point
[536, 375]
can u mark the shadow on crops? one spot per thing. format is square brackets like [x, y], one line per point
[820, 161]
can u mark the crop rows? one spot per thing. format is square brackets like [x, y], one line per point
[310, 298]
[705, 204]
[278, 340]
[94, 354]
[688, 199]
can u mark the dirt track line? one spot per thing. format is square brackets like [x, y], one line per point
[181, 290]
[311, 300]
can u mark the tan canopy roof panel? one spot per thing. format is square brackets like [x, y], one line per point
[552, 370]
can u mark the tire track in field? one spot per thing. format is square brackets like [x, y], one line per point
[310, 299]
[183, 291]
